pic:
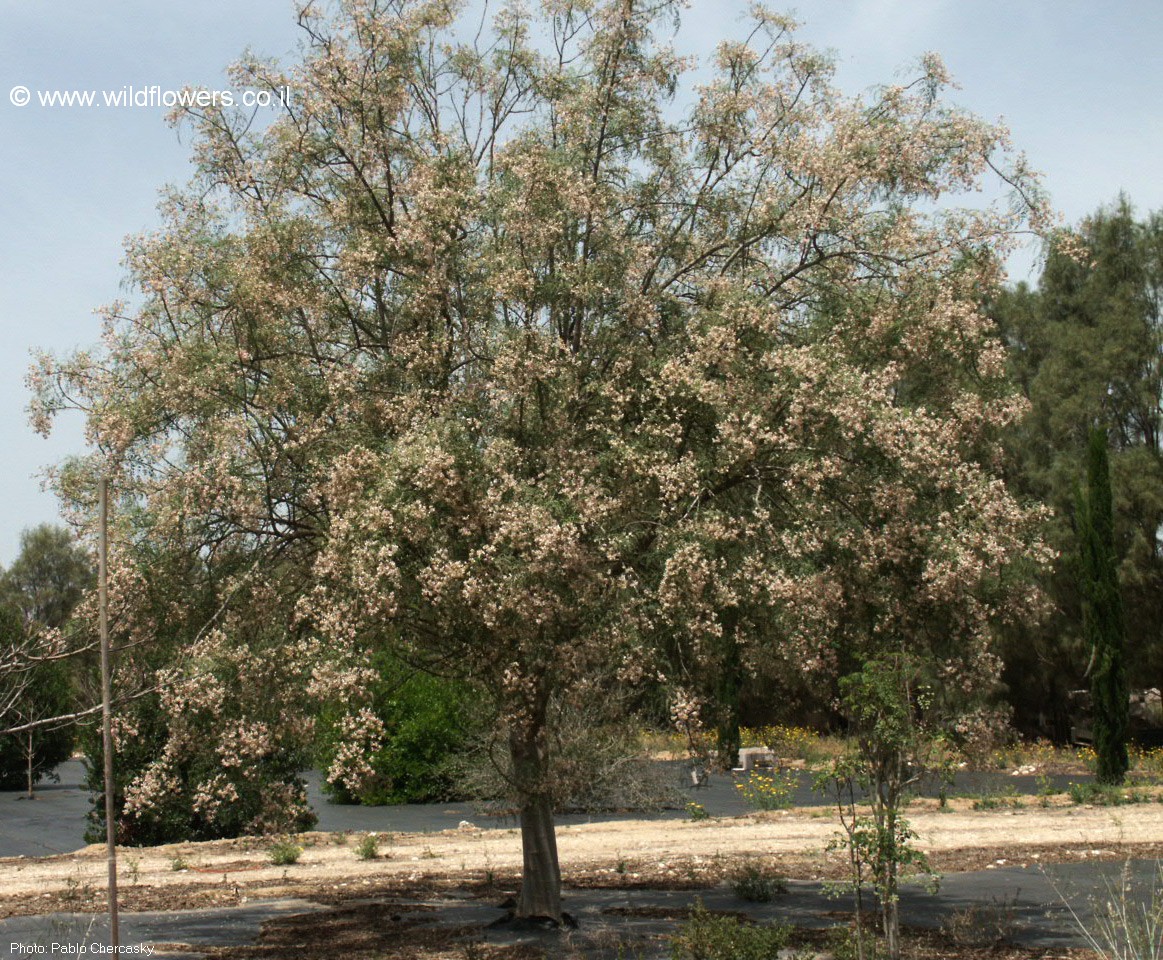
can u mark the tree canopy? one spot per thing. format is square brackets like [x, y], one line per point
[38, 680]
[48, 578]
[501, 353]
[1086, 348]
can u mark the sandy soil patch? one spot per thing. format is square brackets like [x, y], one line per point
[621, 853]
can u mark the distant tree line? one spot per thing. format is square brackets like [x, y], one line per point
[1086, 348]
[39, 677]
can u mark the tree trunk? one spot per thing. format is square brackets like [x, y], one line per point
[890, 840]
[540, 895]
[30, 758]
[891, 904]
[730, 687]
[541, 873]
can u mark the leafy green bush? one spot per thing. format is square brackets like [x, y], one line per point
[997, 799]
[750, 880]
[1104, 795]
[421, 722]
[369, 847]
[710, 936]
[285, 852]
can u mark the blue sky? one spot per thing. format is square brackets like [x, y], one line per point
[1080, 87]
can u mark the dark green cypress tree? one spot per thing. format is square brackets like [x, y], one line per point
[1102, 616]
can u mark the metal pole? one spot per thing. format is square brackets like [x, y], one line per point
[107, 706]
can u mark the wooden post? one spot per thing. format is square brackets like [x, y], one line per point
[107, 706]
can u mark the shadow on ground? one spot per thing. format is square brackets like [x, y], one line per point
[1030, 907]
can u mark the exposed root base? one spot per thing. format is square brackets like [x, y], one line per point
[510, 921]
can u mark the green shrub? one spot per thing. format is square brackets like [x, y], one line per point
[998, 800]
[710, 936]
[369, 847]
[284, 852]
[753, 882]
[426, 720]
[1104, 795]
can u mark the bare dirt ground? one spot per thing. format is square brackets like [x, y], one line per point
[622, 853]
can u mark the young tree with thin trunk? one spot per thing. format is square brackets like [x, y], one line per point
[512, 358]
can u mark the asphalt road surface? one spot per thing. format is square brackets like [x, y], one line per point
[55, 821]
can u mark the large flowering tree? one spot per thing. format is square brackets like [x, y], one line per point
[505, 354]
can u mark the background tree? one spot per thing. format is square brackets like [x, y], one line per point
[1102, 613]
[506, 361]
[48, 578]
[913, 554]
[41, 675]
[1086, 348]
[217, 702]
[33, 689]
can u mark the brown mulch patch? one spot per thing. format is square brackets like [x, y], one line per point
[981, 858]
[370, 931]
[387, 932]
[90, 898]
[234, 866]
